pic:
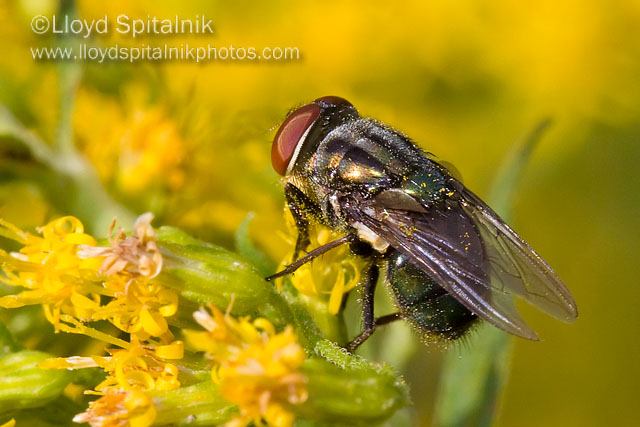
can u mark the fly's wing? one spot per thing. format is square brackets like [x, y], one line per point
[518, 267]
[469, 251]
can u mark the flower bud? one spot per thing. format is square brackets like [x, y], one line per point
[24, 385]
[205, 273]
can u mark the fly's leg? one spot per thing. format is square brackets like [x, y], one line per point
[311, 255]
[369, 325]
[380, 321]
[368, 322]
[386, 319]
[300, 207]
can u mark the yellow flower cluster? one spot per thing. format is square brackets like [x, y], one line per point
[334, 273]
[61, 270]
[137, 367]
[257, 368]
[78, 282]
[49, 268]
[140, 305]
[127, 408]
[131, 373]
[136, 147]
[151, 150]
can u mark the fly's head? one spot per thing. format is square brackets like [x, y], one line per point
[302, 131]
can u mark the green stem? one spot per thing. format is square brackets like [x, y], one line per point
[79, 190]
[69, 73]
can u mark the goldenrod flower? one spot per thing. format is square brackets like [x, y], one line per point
[61, 271]
[131, 373]
[137, 367]
[151, 150]
[334, 273]
[137, 253]
[141, 309]
[127, 408]
[257, 368]
[49, 267]
[139, 148]
[139, 305]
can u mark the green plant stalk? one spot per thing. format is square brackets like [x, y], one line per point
[69, 73]
[79, 191]
[205, 273]
[474, 377]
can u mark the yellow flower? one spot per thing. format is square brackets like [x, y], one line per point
[49, 267]
[137, 367]
[334, 273]
[257, 368]
[140, 308]
[128, 408]
[61, 270]
[136, 254]
[151, 151]
[134, 145]
[131, 373]
[67, 285]
[139, 305]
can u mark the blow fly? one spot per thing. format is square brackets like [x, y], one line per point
[447, 257]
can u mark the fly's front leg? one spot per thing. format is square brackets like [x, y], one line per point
[311, 256]
[300, 206]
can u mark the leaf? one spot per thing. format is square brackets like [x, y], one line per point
[245, 247]
[7, 344]
[473, 377]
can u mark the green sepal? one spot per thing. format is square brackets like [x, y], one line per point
[345, 389]
[24, 385]
[198, 404]
[205, 273]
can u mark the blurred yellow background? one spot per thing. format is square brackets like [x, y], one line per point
[465, 80]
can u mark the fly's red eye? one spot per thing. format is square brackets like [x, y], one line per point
[332, 100]
[290, 134]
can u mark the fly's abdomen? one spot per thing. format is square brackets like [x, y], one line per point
[422, 302]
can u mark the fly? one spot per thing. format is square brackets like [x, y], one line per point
[447, 257]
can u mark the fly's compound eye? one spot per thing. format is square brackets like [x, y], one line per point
[291, 134]
[332, 101]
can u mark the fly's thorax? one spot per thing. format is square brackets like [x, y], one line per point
[359, 156]
[428, 184]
